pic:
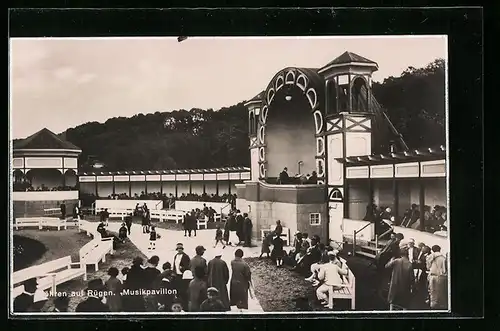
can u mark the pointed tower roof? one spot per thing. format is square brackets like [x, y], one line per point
[44, 139]
[347, 58]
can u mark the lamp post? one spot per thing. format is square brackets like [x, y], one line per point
[299, 164]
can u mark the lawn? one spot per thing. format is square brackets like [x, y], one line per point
[44, 246]
[62, 243]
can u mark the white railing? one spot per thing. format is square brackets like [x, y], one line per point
[45, 195]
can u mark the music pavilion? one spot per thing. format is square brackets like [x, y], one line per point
[327, 120]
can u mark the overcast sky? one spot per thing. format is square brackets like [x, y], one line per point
[61, 83]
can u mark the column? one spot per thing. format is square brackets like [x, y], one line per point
[129, 187]
[64, 177]
[161, 186]
[216, 187]
[396, 200]
[190, 185]
[345, 198]
[114, 186]
[422, 203]
[349, 95]
[96, 190]
[204, 185]
[176, 188]
[145, 184]
[229, 191]
[370, 190]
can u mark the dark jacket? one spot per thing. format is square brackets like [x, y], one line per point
[184, 265]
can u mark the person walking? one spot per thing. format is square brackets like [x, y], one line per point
[241, 282]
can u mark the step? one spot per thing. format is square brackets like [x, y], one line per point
[368, 248]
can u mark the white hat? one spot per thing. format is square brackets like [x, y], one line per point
[219, 252]
[187, 275]
[403, 243]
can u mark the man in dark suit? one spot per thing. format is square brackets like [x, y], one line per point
[199, 260]
[128, 223]
[284, 178]
[28, 301]
[93, 303]
[63, 211]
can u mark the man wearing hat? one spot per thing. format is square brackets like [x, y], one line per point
[29, 300]
[199, 260]
[93, 303]
[218, 277]
[212, 303]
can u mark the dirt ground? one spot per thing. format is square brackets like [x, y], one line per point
[283, 290]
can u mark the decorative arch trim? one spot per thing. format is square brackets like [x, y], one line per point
[312, 86]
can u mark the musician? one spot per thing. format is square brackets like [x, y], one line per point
[284, 177]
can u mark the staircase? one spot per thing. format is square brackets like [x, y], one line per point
[366, 248]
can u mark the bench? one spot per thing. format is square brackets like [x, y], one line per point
[28, 222]
[116, 213]
[87, 226]
[95, 251]
[40, 223]
[285, 234]
[49, 275]
[202, 223]
[347, 289]
[53, 222]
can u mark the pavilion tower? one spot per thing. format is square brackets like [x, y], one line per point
[348, 132]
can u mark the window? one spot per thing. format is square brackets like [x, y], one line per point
[315, 219]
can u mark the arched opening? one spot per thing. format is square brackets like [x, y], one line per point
[290, 133]
[45, 179]
[331, 98]
[359, 95]
[251, 124]
[19, 181]
[70, 178]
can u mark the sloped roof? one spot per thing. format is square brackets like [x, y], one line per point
[44, 139]
[348, 57]
[257, 98]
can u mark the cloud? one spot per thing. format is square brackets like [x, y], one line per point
[86, 78]
[65, 73]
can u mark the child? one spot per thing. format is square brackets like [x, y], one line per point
[218, 237]
[266, 242]
[124, 274]
[226, 232]
[122, 233]
[278, 252]
[212, 303]
[152, 238]
[176, 306]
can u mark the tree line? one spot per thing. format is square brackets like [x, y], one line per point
[197, 138]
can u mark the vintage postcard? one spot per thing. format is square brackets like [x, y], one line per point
[223, 175]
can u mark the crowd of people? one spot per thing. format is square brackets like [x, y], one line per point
[383, 218]
[321, 264]
[168, 199]
[27, 187]
[413, 270]
[184, 284]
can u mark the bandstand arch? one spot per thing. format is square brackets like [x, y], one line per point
[312, 87]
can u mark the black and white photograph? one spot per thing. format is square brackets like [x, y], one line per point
[229, 175]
